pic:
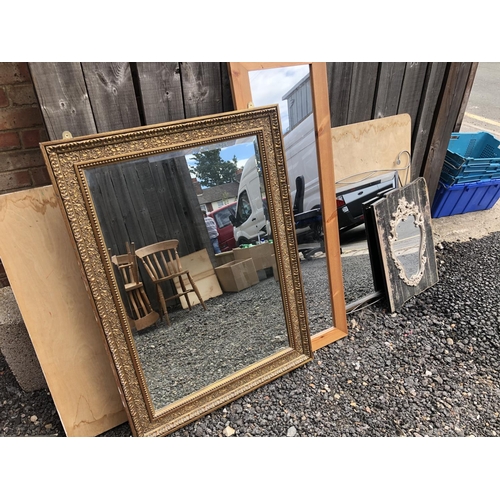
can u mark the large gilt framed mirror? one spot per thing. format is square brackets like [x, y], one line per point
[301, 90]
[175, 363]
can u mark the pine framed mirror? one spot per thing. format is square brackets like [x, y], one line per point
[308, 106]
[170, 374]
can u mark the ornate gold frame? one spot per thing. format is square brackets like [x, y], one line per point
[242, 97]
[67, 161]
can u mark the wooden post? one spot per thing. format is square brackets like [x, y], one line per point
[449, 108]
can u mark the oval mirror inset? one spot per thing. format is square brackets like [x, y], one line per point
[407, 242]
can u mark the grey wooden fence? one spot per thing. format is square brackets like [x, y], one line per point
[85, 98]
[433, 94]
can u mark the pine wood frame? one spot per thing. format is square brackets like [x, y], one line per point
[67, 161]
[242, 96]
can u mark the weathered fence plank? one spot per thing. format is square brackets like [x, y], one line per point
[362, 96]
[154, 205]
[187, 208]
[160, 91]
[339, 87]
[422, 129]
[449, 108]
[137, 201]
[108, 211]
[202, 88]
[111, 92]
[465, 99]
[61, 91]
[227, 95]
[411, 91]
[389, 89]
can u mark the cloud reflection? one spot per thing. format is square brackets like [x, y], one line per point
[270, 85]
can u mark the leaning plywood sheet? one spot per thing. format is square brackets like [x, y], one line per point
[364, 148]
[203, 274]
[45, 278]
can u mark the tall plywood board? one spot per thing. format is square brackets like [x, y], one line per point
[45, 278]
[372, 146]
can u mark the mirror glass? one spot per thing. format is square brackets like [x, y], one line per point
[290, 88]
[406, 246]
[356, 265]
[199, 347]
[407, 242]
[370, 158]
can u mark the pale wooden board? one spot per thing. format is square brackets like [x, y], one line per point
[371, 145]
[45, 278]
[203, 274]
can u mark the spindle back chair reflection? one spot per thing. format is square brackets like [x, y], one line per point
[142, 312]
[162, 263]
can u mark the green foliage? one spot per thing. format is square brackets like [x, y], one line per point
[211, 170]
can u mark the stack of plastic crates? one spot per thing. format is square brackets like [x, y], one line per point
[470, 179]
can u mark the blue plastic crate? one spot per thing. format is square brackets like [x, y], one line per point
[480, 146]
[463, 198]
[450, 176]
[471, 157]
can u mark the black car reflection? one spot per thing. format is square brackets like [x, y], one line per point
[352, 195]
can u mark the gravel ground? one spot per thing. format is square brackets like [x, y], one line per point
[431, 369]
[187, 351]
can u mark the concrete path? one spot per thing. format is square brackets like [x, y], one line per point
[466, 226]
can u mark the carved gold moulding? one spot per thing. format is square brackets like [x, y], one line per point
[67, 162]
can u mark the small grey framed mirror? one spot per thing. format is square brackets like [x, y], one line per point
[406, 244]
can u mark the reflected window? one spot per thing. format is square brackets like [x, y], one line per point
[222, 217]
[244, 207]
[299, 102]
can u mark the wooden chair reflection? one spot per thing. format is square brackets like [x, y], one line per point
[140, 307]
[163, 264]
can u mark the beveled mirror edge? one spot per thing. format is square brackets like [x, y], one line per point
[66, 159]
[120, 307]
[242, 97]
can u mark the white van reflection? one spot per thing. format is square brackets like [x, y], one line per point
[251, 222]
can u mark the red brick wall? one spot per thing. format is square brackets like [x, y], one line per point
[21, 130]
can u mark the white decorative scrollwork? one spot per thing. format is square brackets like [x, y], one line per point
[404, 210]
